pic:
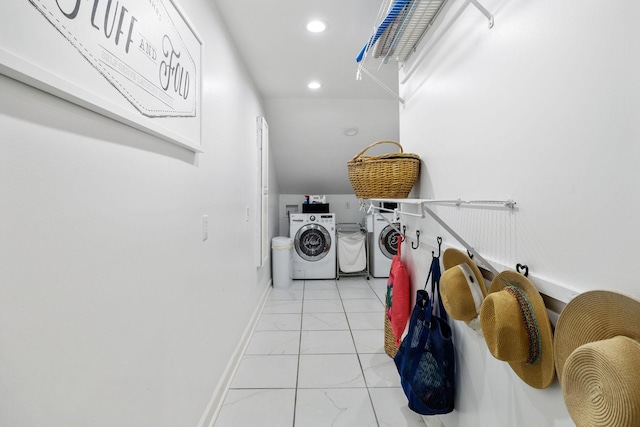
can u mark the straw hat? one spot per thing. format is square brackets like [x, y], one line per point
[462, 287]
[597, 356]
[517, 329]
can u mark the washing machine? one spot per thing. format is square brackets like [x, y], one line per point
[314, 242]
[383, 242]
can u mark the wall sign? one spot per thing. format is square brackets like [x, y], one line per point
[145, 50]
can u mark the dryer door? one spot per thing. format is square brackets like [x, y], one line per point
[312, 242]
[388, 241]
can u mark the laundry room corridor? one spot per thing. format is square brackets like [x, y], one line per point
[316, 358]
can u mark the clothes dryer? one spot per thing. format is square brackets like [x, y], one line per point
[314, 255]
[383, 243]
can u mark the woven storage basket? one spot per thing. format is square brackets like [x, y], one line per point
[390, 346]
[387, 176]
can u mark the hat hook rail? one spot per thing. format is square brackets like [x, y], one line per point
[560, 292]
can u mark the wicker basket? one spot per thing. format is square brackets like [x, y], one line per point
[390, 346]
[388, 176]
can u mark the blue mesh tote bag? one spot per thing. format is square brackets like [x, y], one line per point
[426, 358]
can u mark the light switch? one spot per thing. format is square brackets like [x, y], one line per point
[205, 227]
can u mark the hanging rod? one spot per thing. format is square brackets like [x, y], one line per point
[509, 203]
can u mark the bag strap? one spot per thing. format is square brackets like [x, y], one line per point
[435, 290]
[426, 282]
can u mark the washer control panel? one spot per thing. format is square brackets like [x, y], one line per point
[322, 218]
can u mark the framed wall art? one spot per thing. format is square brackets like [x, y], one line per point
[137, 62]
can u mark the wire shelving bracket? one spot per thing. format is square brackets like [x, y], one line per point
[402, 25]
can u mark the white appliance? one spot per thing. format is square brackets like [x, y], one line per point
[383, 243]
[314, 242]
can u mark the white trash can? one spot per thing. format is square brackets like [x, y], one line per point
[282, 262]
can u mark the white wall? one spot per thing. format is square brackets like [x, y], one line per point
[543, 109]
[113, 311]
[311, 148]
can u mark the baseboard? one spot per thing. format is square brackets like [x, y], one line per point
[217, 399]
[432, 421]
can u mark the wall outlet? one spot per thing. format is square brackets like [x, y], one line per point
[205, 227]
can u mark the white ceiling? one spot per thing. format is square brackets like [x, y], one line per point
[307, 127]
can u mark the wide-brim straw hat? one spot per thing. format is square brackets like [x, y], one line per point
[462, 287]
[597, 356]
[517, 330]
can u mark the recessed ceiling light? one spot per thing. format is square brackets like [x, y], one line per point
[351, 131]
[316, 26]
[314, 85]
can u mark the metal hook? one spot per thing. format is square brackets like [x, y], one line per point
[439, 239]
[417, 240]
[404, 233]
[470, 254]
[525, 268]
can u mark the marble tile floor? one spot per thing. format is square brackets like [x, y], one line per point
[316, 358]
